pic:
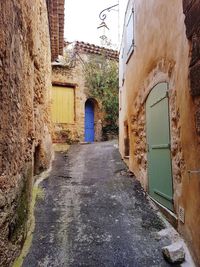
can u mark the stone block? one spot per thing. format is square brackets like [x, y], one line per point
[192, 19]
[195, 57]
[2, 200]
[197, 120]
[187, 5]
[195, 79]
[24, 114]
[174, 253]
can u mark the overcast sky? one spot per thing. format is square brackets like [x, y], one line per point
[82, 20]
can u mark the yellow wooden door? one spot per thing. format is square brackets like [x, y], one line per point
[62, 104]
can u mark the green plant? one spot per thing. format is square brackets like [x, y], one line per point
[101, 76]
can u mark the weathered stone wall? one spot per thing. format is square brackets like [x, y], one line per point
[74, 76]
[191, 10]
[162, 54]
[25, 142]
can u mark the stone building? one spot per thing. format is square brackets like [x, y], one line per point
[25, 140]
[76, 115]
[160, 107]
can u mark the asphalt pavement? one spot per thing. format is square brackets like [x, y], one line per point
[94, 214]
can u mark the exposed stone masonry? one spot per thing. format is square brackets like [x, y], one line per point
[191, 10]
[72, 75]
[138, 131]
[25, 142]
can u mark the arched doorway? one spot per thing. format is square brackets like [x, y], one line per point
[89, 121]
[158, 140]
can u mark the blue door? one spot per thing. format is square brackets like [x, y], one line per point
[89, 121]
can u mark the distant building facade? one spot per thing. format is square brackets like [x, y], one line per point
[160, 106]
[77, 116]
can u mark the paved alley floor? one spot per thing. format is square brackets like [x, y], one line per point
[93, 214]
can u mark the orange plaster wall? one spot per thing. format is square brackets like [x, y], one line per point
[162, 53]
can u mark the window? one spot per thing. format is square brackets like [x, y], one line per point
[63, 104]
[122, 68]
[120, 99]
[128, 41]
[130, 34]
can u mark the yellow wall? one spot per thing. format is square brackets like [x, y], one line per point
[62, 104]
[162, 54]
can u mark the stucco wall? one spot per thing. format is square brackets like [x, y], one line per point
[162, 54]
[25, 76]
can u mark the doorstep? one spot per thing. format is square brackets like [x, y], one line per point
[170, 216]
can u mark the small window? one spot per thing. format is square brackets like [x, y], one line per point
[120, 99]
[63, 104]
[130, 34]
[122, 67]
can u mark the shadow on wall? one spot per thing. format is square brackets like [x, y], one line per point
[126, 139]
[38, 167]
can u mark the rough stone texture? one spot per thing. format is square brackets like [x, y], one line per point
[168, 60]
[195, 79]
[192, 19]
[138, 132]
[174, 253]
[192, 22]
[25, 77]
[73, 75]
[197, 119]
[187, 4]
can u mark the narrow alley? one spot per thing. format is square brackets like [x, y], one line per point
[75, 76]
[93, 213]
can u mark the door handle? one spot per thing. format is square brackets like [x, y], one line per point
[160, 146]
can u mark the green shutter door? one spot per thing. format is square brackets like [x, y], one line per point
[158, 140]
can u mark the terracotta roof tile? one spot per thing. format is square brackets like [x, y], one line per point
[94, 49]
[56, 26]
